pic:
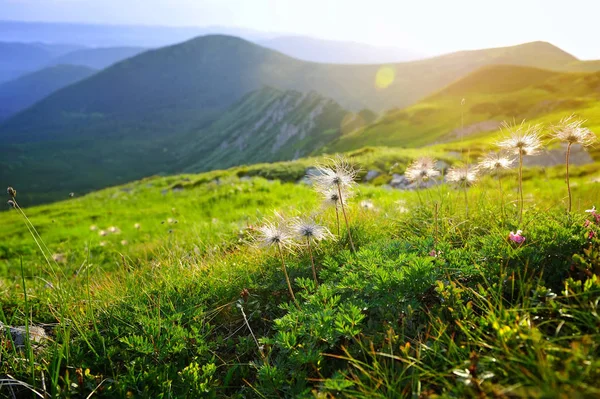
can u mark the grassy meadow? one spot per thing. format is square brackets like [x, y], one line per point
[158, 289]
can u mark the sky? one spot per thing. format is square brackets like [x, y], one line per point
[425, 26]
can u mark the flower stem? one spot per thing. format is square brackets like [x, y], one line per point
[435, 236]
[337, 215]
[346, 218]
[287, 278]
[312, 261]
[501, 193]
[568, 182]
[466, 202]
[521, 185]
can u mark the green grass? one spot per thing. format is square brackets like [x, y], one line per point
[162, 315]
[492, 94]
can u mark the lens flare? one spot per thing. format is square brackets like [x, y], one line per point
[384, 77]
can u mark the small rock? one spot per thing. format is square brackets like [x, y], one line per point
[37, 335]
[372, 174]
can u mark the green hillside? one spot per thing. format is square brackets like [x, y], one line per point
[491, 95]
[160, 288]
[18, 94]
[266, 125]
[97, 58]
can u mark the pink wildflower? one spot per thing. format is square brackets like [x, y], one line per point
[516, 237]
[433, 253]
[586, 224]
[591, 234]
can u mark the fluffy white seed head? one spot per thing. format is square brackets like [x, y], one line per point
[367, 205]
[422, 170]
[571, 131]
[277, 233]
[341, 174]
[524, 140]
[496, 161]
[462, 176]
[308, 229]
[331, 197]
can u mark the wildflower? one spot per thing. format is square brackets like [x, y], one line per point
[308, 230]
[102, 233]
[331, 197]
[517, 237]
[591, 234]
[124, 242]
[421, 170]
[341, 175]
[11, 203]
[571, 132]
[93, 227]
[462, 176]
[114, 230]
[137, 226]
[367, 205]
[102, 243]
[278, 235]
[11, 192]
[523, 140]
[59, 258]
[592, 211]
[71, 195]
[496, 161]
[435, 253]
[272, 234]
[341, 178]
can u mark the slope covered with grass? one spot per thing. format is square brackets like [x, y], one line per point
[157, 289]
[266, 125]
[474, 107]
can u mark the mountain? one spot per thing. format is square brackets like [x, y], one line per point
[265, 125]
[186, 85]
[108, 35]
[337, 52]
[97, 58]
[19, 58]
[145, 114]
[480, 102]
[18, 94]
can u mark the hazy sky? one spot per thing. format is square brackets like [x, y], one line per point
[429, 26]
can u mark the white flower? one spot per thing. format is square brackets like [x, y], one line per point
[331, 197]
[340, 175]
[93, 227]
[463, 176]
[275, 233]
[308, 229]
[137, 226]
[367, 205]
[496, 161]
[570, 131]
[593, 210]
[524, 140]
[102, 233]
[114, 230]
[421, 170]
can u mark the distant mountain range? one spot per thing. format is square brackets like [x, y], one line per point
[18, 59]
[301, 47]
[217, 101]
[18, 94]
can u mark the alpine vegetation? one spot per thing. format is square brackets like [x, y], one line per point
[463, 177]
[309, 232]
[340, 177]
[571, 131]
[279, 235]
[523, 140]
